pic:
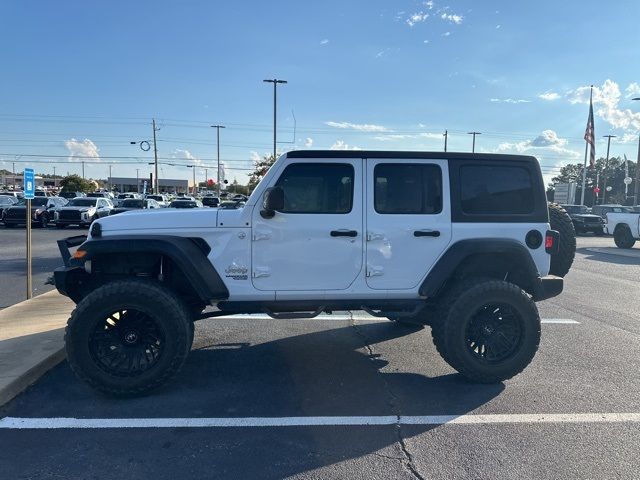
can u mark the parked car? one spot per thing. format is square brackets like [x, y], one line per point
[6, 201]
[101, 195]
[602, 210]
[182, 203]
[163, 200]
[625, 228]
[583, 221]
[210, 201]
[124, 196]
[71, 195]
[469, 261]
[134, 204]
[82, 211]
[42, 211]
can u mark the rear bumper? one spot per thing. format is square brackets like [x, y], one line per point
[549, 287]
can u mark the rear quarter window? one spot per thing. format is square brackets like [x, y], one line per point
[489, 189]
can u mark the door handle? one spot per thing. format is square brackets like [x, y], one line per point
[426, 233]
[344, 233]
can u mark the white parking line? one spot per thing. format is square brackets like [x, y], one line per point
[343, 318]
[16, 423]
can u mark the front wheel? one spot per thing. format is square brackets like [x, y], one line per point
[489, 332]
[128, 337]
[623, 237]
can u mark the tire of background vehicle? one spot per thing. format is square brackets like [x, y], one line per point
[474, 310]
[623, 237]
[44, 220]
[60, 225]
[560, 221]
[160, 310]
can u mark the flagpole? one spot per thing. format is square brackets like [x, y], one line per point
[584, 172]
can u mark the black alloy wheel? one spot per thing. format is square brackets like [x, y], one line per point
[494, 333]
[127, 343]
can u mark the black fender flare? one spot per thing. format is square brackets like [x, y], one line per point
[189, 254]
[461, 250]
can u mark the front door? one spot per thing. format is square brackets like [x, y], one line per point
[316, 241]
[408, 220]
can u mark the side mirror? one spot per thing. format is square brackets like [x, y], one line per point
[273, 201]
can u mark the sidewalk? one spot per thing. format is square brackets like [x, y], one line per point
[31, 341]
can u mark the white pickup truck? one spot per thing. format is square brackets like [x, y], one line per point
[625, 228]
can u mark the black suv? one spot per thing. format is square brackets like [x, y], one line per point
[583, 221]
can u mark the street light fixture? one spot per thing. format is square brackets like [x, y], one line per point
[275, 82]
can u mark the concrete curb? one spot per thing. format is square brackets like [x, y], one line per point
[31, 341]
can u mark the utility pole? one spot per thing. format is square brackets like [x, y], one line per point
[275, 82]
[446, 136]
[110, 184]
[636, 188]
[218, 127]
[155, 156]
[83, 169]
[137, 180]
[473, 146]
[606, 167]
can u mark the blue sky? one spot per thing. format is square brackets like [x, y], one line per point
[85, 78]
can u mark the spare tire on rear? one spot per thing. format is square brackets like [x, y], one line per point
[561, 222]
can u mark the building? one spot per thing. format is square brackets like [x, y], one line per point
[166, 185]
[16, 181]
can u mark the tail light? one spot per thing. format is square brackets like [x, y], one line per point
[552, 242]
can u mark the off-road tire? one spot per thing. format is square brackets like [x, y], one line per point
[623, 237]
[450, 333]
[166, 309]
[561, 222]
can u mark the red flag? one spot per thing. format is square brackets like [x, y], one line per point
[589, 134]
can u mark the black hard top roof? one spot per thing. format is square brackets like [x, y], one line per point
[404, 154]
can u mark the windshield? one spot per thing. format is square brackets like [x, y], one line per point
[155, 197]
[36, 202]
[574, 209]
[82, 202]
[6, 201]
[132, 203]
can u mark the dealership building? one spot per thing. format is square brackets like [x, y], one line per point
[165, 185]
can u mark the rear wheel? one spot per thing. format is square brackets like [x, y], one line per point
[128, 337]
[560, 221]
[489, 331]
[623, 237]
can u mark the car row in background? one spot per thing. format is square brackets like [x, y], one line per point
[82, 211]
[42, 211]
[594, 219]
[134, 204]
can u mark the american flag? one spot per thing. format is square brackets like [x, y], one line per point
[589, 134]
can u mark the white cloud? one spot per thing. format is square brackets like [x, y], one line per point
[181, 154]
[340, 145]
[509, 100]
[446, 34]
[606, 99]
[547, 141]
[627, 138]
[361, 127]
[429, 4]
[457, 19]
[382, 53]
[255, 156]
[425, 41]
[324, 42]
[397, 136]
[417, 17]
[78, 150]
[498, 27]
[632, 89]
[308, 142]
[549, 96]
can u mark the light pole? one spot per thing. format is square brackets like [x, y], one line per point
[218, 127]
[473, 146]
[275, 82]
[110, 181]
[446, 136]
[193, 191]
[606, 167]
[137, 180]
[636, 188]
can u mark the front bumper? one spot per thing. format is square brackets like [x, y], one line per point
[70, 273]
[548, 287]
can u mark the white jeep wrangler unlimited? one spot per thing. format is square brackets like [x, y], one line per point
[460, 242]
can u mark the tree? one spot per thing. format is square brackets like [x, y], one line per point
[75, 183]
[606, 174]
[261, 167]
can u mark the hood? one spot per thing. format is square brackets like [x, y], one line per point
[156, 219]
[584, 215]
[71, 207]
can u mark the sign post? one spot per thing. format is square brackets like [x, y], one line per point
[29, 193]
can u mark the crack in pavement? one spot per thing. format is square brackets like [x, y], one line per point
[407, 461]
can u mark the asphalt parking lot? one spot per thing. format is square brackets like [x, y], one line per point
[352, 397]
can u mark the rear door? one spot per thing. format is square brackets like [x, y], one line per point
[408, 220]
